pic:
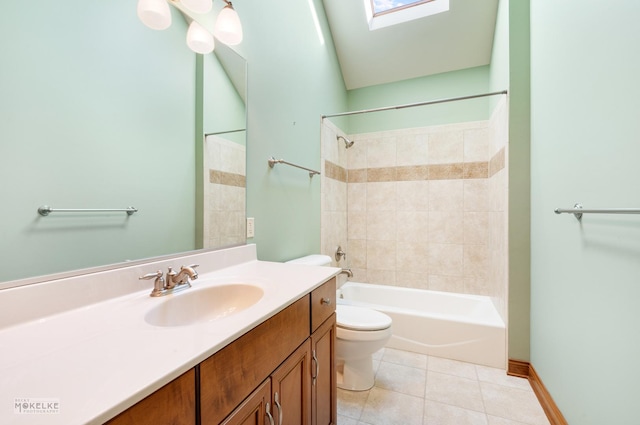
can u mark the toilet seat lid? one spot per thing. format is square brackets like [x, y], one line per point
[361, 319]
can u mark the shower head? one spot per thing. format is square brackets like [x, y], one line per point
[347, 143]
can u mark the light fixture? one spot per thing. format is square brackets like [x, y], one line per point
[156, 15]
[199, 39]
[228, 28]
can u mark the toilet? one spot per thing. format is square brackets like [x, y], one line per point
[360, 332]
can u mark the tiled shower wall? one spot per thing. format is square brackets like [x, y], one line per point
[498, 213]
[422, 207]
[224, 192]
[333, 200]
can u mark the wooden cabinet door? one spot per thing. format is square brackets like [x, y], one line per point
[324, 400]
[291, 388]
[253, 411]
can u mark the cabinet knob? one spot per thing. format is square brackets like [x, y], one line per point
[325, 301]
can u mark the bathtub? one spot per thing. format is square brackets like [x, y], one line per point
[442, 324]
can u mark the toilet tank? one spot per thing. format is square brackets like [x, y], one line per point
[312, 260]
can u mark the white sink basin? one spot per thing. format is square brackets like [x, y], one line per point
[204, 305]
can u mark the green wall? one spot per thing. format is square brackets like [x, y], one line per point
[96, 111]
[519, 228]
[293, 79]
[510, 69]
[585, 147]
[441, 86]
[499, 66]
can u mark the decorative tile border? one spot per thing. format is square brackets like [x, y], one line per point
[227, 179]
[334, 171]
[455, 171]
[497, 162]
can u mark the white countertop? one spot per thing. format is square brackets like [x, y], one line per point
[99, 359]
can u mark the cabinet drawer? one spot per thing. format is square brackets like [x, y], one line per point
[323, 303]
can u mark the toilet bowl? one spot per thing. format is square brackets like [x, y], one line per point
[360, 332]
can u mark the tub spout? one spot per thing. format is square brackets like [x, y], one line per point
[348, 272]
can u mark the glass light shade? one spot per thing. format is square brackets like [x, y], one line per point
[198, 6]
[199, 39]
[154, 13]
[228, 28]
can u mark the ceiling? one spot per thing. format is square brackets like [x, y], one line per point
[458, 39]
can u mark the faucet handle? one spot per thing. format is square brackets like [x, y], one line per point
[158, 284]
[148, 276]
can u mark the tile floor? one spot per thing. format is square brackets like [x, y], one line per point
[416, 389]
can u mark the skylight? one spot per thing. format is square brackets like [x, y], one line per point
[384, 13]
[380, 6]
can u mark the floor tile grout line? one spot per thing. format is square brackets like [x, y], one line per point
[397, 364]
[504, 385]
[455, 405]
[366, 400]
[484, 405]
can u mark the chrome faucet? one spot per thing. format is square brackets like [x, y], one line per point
[182, 277]
[176, 281]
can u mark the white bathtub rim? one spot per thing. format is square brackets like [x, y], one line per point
[494, 321]
[448, 318]
[349, 283]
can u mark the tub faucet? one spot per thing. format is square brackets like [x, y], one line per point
[348, 272]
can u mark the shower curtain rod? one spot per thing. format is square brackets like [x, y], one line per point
[411, 105]
[224, 132]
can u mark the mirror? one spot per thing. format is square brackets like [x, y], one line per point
[100, 112]
[224, 149]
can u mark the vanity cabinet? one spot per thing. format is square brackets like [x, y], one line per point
[174, 404]
[284, 394]
[282, 371]
[231, 374]
[303, 386]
